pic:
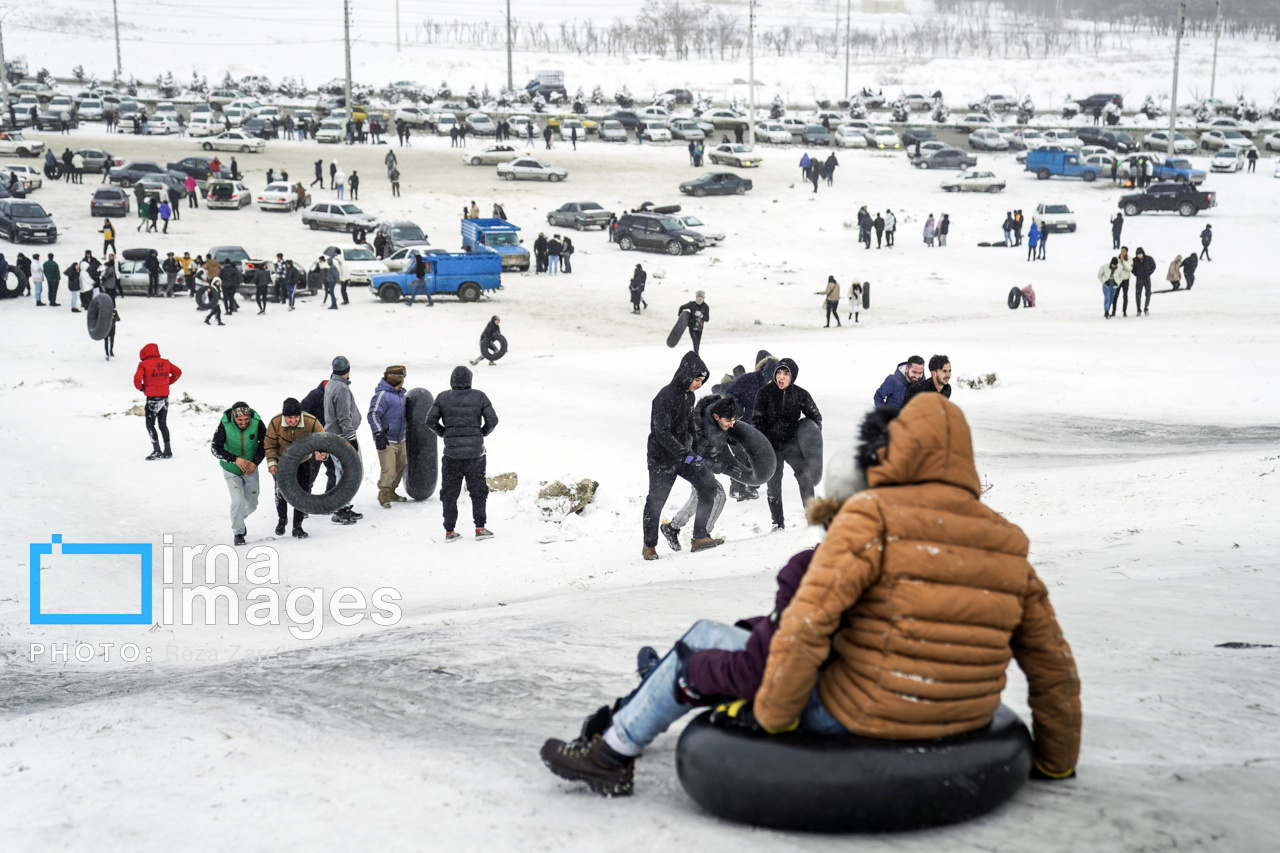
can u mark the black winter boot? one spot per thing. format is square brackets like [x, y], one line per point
[280, 526]
[156, 453]
[672, 535]
[606, 772]
[168, 452]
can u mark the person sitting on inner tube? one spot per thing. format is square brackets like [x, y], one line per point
[712, 662]
[914, 603]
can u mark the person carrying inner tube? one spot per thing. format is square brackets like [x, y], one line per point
[744, 389]
[914, 603]
[712, 662]
[779, 408]
[713, 417]
[493, 345]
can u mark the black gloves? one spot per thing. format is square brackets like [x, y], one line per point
[380, 440]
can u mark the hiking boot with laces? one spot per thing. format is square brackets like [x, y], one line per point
[649, 553]
[606, 772]
[704, 544]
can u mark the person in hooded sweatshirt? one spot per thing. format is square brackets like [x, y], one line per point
[893, 391]
[779, 409]
[713, 416]
[744, 389]
[462, 417]
[670, 454]
[153, 378]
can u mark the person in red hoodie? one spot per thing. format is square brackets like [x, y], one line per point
[153, 378]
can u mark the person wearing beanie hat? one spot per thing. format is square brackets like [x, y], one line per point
[907, 533]
[239, 444]
[387, 420]
[342, 417]
[699, 316]
[493, 344]
[285, 428]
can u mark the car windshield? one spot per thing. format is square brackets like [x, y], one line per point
[407, 232]
[671, 224]
[1180, 164]
[27, 211]
[740, 149]
[709, 176]
[1030, 134]
[358, 255]
[278, 188]
[507, 238]
[1056, 208]
[589, 205]
[692, 221]
[352, 210]
[230, 253]
[107, 194]
[883, 131]
[1123, 137]
[1232, 134]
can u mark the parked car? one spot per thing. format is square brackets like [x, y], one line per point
[281, 196]
[412, 116]
[912, 135]
[356, 264]
[973, 180]
[946, 158]
[29, 176]
[531, 169]
[1055, 217]
[686, 129]
[338, 217]
[973, 121]
[1225, 123]
[50, 118]
[734, 154]
[1182, 197]
[13, 142]
[235, 116]
[1228, 160]
[927, 149]
[724, 119]
[26, 222]
[130, 173]
[655, 130]
[481, 125]
[568, 126]
[1116, 140]
[398, 260]
[882, 138]
[491, 155]
[1090, 150]
[331, 131]
[583, 123]
[248, 107]
[917, 103]
[793, 124]
[401, 234]
[162, 183]
[222, 194]
[197, 167]
[90, 109]
[1272, 141]
[580, 215]
[1176, 169]
[520, 125]
[1087, 104]
[234, 140]
[771, 131]
[716, 183]
[999, 103]
[986, 139]
[1158, 140]
[203, 124]
[444, 123]
[851, 136]
[680, 96]
[219, 97]
[261, 128]
[1216, 139]
[162, 124]
[1064, 138]
[697, 226]
[659, 232]
[816, 134]
[612, 131]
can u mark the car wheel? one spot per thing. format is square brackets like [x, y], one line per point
[1180, 179]
[741, 190]
[994, 188]
[1042, 174]
[315, 226]
[1187, 209]
[1089, 177]
[509, 176]
[951, 189]
[475, 161]
[469, 291]
[23, 152]
[555, 179]
[1071, 229]
[389, 293]
[13, 236]
[625, 243]
[699, 192]
[577, 225]
[1131, 209]
[1146, 146]
[207, 146]
[673, 247]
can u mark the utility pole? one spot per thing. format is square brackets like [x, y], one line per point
[397, 26]
[4, 68]
[1217, 29]
[346, 35]
[751, 72]
[511, 83]
[1177, 55]
[848, 25]
[115, 12]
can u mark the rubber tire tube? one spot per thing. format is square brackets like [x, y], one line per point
[677, 331]
[135, 254]
[848, 783]
[343, 492]
[495, 348]
[423, 463]
[754, 454]
[98, 316]
[809, 441]
[1015, 298]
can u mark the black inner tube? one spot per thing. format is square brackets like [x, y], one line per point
[753, 453]
[1015, 298]
[494, 347]
[98, 316]
[343, 492]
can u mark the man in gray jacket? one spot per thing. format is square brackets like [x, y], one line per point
[341, 416]
[462, 416]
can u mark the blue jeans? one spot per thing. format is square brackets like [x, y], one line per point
[339, 188]
[652, 707]
[1108, 298]
[37, 284]
[419, 286]
[553, 264]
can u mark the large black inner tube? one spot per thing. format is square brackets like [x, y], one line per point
[809, 441]
[1015, 298]
[98, 316]
[423, 463]
[753, 453]
[494, 348]
[817, 783]
[343, 492]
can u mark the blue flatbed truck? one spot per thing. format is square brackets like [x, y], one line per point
[465, 275]
[496, 235]
[1067, 164]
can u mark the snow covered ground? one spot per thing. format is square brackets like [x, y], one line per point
[1140, 455]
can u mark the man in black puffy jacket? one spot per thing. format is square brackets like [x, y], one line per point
[744, 389]
[1144, 266]
[779, 408]
[713, 417]
[462, 416]
[671, 455]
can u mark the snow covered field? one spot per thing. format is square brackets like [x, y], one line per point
[1139, 455]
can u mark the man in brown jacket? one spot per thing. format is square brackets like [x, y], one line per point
[915, 601]
[285, 428]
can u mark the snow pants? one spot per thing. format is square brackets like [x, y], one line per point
[790, 454]
[452, 473]
[662, 476]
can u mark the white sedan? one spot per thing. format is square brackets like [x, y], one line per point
[693, 223]
[733, 154]
[490, 156]
[1065, 138]
[520, 125]
[531, 169]
[1272, 142]
[1228, 160]
[656, 130]
[973, 180]
[234, 140]
[883, 138]
[281, 196]
[1217, 139]
[851, 136]
[355, 263]
[987, 139]
[773, 132]
[1029, 138]
[724, 118]
[163, 124]
[1158, 140]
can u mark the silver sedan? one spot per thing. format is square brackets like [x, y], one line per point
[531, 169]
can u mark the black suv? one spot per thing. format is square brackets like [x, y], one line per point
[657, 232]
[1087, 104]
[1116, 140]
[26, 222]
[912, 135]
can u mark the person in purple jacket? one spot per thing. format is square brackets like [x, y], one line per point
[710, 663]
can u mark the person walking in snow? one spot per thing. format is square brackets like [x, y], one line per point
[1189, 265]
[153, 378]
[778, 412]
[1117, 225]
[462, 417]
[1206, 237]
[1144, 266]
[319, 174]
[354, 183]
[831, 299]
[893, 391]
[878, 224]
[1008, 228]
[239, 445]
[713, 417]
[339, 182]
[699, 316]
[1174, 276]
[285, 428]
[342, 417]
[387, 421]
[930, 231]
[1107, 277]
[636, 288]
[944, 226]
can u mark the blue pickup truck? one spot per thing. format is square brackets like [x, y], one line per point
[1176, 169]
[496, 235]
[464, 275]
[1066, 164]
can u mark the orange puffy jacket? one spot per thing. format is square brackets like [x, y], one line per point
[920, 594]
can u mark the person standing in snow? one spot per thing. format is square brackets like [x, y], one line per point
[831, 299]
[670, 455]
[636, 288]
[865, 224]
[713, 417]
[52, 277]
[1017, 227]
[390, 160]
[699, 316]
[1008, 229]
[1033, 240]
[779, 409]
[215, 301]
[540, 253]
[1124, 272]
[1144, 266]
[890, 228]
[354, 183]
[939, 380]
[331, 277]
[342, 418]
[930, 230]
[239, 444]
[462, 417]
[878, 224]
[1044, 238]
[153, 378]
[945, 226]
[387, 420]
[261, 286]
[285, 428]
[339, 182]
[855, 301]
[893, 391]
[829, 168]
[1117, 225]
[1206, 237]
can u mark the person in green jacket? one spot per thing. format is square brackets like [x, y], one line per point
[239, 443]
[52, 275]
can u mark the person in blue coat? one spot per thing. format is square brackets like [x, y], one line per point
[893, 390]
[1033, 240]
[387, 422]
